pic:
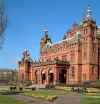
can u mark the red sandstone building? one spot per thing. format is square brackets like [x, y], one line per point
[74, 59]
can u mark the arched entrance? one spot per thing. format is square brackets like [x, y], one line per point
[43, 76]
[36, 77]
[62, 76]
[51, 76]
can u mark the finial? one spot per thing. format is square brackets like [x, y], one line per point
[45, 31]
[45, 28]
[89, 11]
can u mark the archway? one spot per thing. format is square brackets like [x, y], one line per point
[62, 76]
[51, 76]
[43, 76]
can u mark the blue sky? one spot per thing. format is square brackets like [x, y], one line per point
[28, 18]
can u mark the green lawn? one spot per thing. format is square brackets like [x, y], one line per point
[91, 100]
[41, 92]
[8, 100]
[46, 92]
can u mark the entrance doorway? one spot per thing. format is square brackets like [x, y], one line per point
[43, 76]
[51, 76]
[62, 76]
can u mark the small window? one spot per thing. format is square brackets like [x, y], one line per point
[72, 57]
[84, 77]
[63, 58]
[85, 31]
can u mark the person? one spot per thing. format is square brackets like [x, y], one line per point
[78, 90]
[72, 89]
[83, 90]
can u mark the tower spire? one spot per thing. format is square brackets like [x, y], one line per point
[89, 12]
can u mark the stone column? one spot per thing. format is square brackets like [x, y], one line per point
[47, 76]
[68, 75]
[55, 75]
[32, 76]
[40, 76]
[57, 71]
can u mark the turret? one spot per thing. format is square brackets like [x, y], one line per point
[45, 40]
[24, 66]
[89, 47]
[88, 18]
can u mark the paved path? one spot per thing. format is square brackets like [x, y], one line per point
[62, 99]
[70, 98]
[29, 100]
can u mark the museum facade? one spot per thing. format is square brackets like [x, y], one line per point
[74, 59]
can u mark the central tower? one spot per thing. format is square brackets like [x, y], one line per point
[89, 48]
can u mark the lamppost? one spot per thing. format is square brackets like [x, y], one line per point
[3, 23]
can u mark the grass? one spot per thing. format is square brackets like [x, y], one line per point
[48, 95]
[91, 100]
[40, 92]
[8, 100]
[47, 92]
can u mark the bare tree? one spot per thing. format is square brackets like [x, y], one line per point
[3, 23]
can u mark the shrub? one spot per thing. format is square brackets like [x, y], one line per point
[94, 90]
[20, 88]
[33, 88]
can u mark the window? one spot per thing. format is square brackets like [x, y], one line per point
[72, 57]
[84, 50]
[49, 59]
[56, 58]
[1, 75]
[99, 51]
[63, 58]
[93, 32]
[84, 77]
[85, 31]
[92, 70]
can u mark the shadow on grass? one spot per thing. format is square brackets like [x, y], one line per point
[11, 92]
